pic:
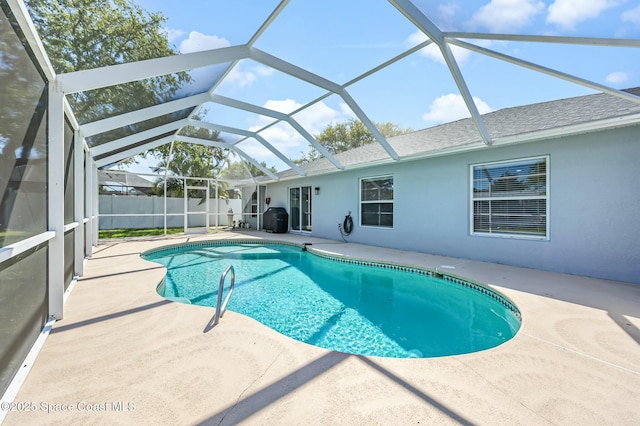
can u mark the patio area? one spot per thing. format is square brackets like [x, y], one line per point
[124, 355]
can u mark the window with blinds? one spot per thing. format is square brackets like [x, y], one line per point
[376, 202]
[509, 198]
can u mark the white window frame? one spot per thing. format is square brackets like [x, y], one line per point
[391, 201]
[546, 197]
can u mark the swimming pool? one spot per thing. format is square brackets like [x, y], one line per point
[348, 305]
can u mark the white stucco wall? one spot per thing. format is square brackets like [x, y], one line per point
[594, 211]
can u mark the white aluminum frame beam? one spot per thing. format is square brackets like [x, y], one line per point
[368, 124]
[137, 137]
[225, 145]
[78, 206]
[79, 81]
[250, 43]
[585, 41]
[293, 70]
[233, 103]
[133, 151]
[55, 207]
[391, 61]
[23, 18]
[417, 18]
[205, 142]
[309, 77]
[317, 145]
[126, 119]
[549, 71]
[256, 164]
[466, 94]
[95, 209]
[81, 159]
[79, 190]
[250, 134]
[220, 128]
[68, 112]
[280, 155]
[424, 24]
[122, 73]
[267, 22]
[88, 202]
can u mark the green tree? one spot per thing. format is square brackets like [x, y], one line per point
[348, 135]
[86, 34]
[192, 160]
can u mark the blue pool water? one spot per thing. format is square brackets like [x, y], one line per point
[353, 308]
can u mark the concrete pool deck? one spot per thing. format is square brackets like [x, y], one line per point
[124, 355]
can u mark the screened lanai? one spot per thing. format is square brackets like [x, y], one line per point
[258, 82]
[248, 125]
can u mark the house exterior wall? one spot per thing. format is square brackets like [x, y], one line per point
[593, 217]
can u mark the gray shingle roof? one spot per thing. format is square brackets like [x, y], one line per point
[506, 122]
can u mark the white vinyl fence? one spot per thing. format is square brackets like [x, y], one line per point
[142, 212]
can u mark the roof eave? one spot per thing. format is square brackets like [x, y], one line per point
[588, 127]
[575, 129]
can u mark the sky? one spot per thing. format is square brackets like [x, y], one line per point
[340, 40]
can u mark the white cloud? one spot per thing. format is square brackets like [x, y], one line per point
[416, 37]
[312, 119]
[241, 78]
[504, 16]
[263, 71]
[617, 77]
[569, 13]
[346, 111]
[433, 51]
[451, 107]
[284, 137]
[281, 136]
[202, 77]
[447, 16]
[197, 42]
[238, 78]
[632, 16]
[173, 35]
[318, 116]
[284, 106]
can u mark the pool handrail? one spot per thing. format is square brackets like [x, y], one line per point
[220, 307]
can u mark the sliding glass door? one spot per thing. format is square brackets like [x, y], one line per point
[300, 208]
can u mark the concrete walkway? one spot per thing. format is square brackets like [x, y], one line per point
[124, 355]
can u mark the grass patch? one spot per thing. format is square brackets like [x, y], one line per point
[123, 233]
